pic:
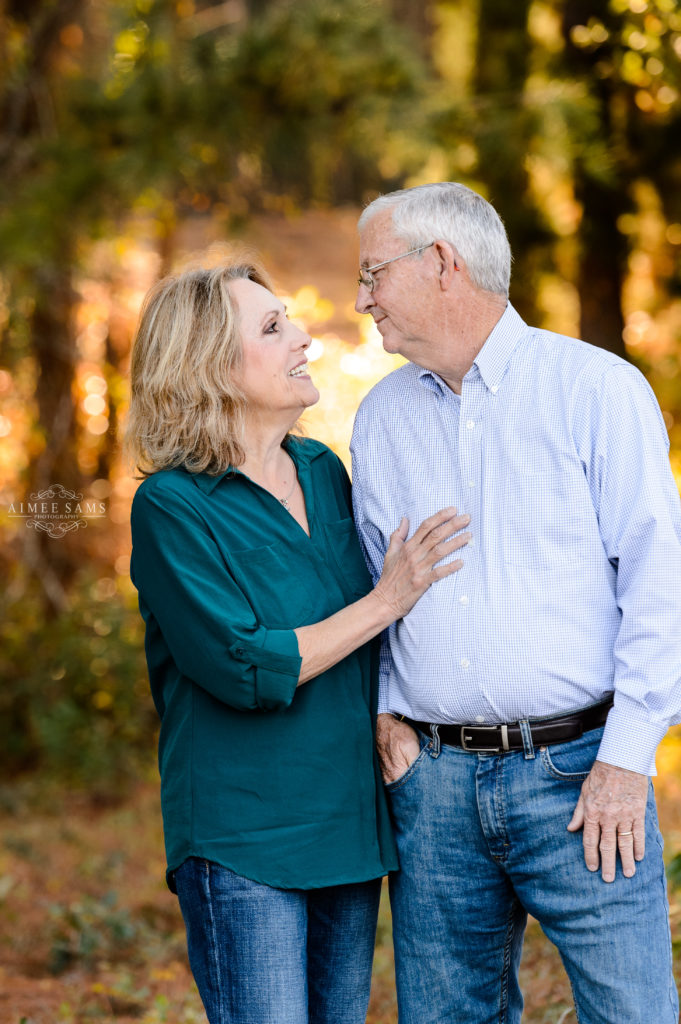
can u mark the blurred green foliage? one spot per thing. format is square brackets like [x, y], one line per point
[75, 701]
[90, 929]
[674, 872]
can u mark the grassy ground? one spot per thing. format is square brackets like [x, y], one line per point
[89, 933]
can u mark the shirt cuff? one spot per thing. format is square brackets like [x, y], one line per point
[277, 664]
[630, 741]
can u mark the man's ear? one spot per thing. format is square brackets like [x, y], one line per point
[448, 263]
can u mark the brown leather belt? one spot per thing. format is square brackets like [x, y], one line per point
[498, 739]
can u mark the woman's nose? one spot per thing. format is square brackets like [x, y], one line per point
[303, 340]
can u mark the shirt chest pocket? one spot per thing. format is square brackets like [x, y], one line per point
[346, 554]
[279, 589]
[548, 520]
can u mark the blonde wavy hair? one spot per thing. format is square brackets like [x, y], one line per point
[185, 408]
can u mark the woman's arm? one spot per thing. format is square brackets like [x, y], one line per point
[408, 571]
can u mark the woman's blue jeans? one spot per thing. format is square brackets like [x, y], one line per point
[278, 956]
[483, 841]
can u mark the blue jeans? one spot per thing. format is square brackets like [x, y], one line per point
[278, 956]
[482, 840]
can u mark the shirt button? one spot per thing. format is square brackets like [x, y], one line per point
[463, 599]
[494, 388]
[471, 483]
[465, 663]
[470, 424]
[479, 718]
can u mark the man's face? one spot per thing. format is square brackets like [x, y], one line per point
[402, 302]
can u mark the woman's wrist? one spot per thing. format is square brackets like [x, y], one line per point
[381, 607]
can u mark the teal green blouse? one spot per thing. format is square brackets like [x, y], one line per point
[281, 784]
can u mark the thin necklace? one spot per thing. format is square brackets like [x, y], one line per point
[284, 501]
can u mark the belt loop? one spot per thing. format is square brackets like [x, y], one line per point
[435, 743]
[526, 733]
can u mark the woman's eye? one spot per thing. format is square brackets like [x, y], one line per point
[273, 328]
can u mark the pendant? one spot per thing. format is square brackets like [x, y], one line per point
[284, 502]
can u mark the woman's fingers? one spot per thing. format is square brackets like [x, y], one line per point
[410, 566]
[444, 548]
[440, 551]
[438, 572]
[433, 523]
[453, 544]
[439, 541]
[437, 528]
[400, 534]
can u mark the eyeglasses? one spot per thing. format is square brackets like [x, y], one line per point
[365, 273]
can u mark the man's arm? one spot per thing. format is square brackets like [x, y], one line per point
[625, 450]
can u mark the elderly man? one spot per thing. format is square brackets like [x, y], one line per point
[522, 700]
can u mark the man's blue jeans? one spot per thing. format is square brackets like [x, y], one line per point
[483, 841]
[278, 956]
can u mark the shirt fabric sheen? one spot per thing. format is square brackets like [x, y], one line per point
[570, 588]
[279, 783]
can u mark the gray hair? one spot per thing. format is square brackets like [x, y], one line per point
[456, 214]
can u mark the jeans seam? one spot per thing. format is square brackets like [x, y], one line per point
[214, 935]
[503, 995]
[670, 951]
[574, 1000]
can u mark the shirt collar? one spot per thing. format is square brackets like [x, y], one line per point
[495, 355]
[492, 359]
[302, 453]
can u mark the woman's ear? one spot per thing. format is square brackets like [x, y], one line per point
[448, 263]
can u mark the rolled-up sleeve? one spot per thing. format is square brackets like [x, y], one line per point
[206, 622]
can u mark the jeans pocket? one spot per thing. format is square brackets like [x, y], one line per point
[402, 779]
[572, 761]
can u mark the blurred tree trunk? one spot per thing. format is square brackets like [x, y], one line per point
[53, 344]
[417, 19]
[503, 46]
[27, 119]
[501, 67]
[602, 265]
[53, 562]
[601, 188]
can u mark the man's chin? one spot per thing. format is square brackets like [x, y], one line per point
[390, 342]
[393, 346]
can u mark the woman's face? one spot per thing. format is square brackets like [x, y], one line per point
[273, 373]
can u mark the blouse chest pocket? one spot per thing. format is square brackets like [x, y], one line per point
[279, 590]
[346, 553]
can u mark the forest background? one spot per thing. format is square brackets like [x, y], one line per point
[140, 134]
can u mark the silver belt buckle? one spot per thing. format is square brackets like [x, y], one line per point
[486, 728]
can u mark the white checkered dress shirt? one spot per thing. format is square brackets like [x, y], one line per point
[572, 586]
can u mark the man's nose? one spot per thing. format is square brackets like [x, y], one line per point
[365, 299]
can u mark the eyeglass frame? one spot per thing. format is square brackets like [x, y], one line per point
[370, 283]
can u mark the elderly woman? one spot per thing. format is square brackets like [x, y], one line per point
[259, 615]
